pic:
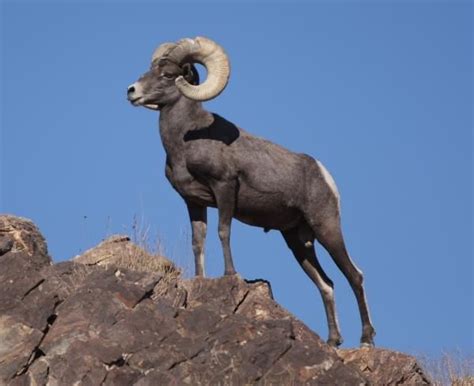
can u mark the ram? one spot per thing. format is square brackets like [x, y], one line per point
[211, 162]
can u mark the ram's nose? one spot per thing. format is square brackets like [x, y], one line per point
[131, 90]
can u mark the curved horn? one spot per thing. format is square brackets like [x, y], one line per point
[161, 50]
[212, 56]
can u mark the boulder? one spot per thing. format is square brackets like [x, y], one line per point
[19, 234]
[385, 367]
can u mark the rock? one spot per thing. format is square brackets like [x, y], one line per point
[385, 367]
[6, 244]
[96, 320]
[17, 343]
[20, 274]
[21, 235]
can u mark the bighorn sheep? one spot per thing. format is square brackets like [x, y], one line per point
[212, 163]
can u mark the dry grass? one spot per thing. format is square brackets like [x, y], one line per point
[144, 262]
[180, 253]
[135, 250]
[76, 277]
[140, 234]
[451, 368]
[146, 253]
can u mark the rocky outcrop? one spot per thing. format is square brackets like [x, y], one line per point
[19, 234]
[81, 322]
[385, 367]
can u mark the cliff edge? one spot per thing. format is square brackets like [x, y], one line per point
[118, 316]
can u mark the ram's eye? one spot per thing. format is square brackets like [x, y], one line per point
[168, 75]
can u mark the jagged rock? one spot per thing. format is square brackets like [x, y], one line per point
[91, 324]
[19, 234]
[17, 342]
[385, 367]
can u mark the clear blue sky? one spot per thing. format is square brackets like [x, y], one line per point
[381, 93]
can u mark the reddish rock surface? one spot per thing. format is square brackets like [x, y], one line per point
[92, 324]
[385, 367]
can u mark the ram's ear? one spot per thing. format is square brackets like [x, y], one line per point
[190, 74]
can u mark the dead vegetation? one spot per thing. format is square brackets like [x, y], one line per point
[137, 252]
[450, 368]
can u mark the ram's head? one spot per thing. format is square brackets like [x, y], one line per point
[173, 74]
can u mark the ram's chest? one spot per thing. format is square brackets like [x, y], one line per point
[188, 186]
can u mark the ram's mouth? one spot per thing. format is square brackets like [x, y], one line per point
[140, 101]
[153, 106]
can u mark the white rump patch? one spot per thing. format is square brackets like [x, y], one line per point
[329, 180]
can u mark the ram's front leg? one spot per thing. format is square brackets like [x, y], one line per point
[198, 217]
[225, 194]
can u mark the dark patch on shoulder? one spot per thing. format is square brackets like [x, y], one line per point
[219, 130]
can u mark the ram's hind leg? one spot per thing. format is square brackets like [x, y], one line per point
[306, 256]
[329, 234]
